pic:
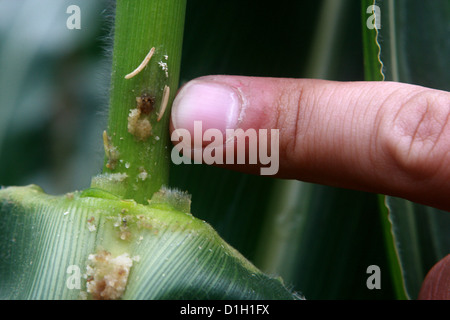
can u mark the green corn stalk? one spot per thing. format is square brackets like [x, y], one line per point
[128, 236]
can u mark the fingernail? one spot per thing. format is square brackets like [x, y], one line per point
[216, 105]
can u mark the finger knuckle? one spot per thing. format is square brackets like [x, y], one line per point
[419, 135]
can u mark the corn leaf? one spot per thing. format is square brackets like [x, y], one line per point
[86, 245]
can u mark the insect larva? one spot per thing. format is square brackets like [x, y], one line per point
[106, 143]
[142, 65]
[164, 101]
[111, 151]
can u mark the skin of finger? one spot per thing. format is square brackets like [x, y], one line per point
[436, 285]
[383, 137]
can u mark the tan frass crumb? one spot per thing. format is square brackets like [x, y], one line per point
[139, 126]
[142, 175]
[164, 68]
[91, 224]
[107, 276]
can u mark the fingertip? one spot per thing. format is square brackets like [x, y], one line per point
[436, 285]
[214, 104]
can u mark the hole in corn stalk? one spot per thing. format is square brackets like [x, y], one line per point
[138, 118]
[145, 103]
